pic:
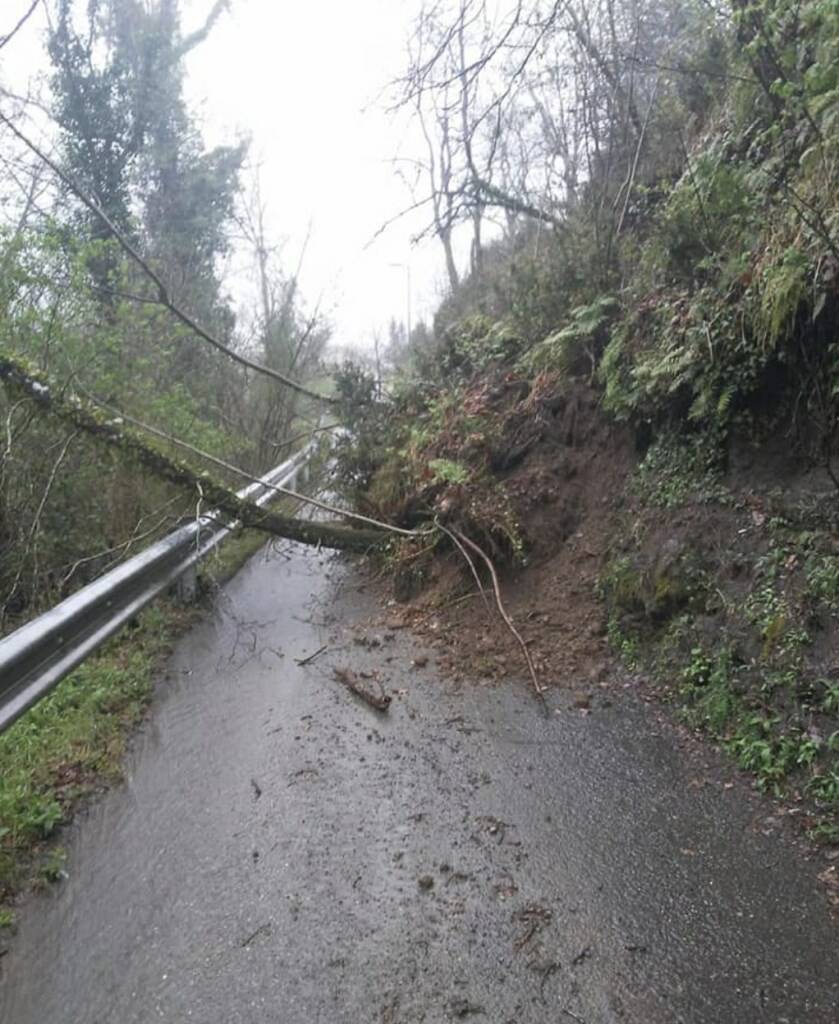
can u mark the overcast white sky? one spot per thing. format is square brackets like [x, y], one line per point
[304, 81]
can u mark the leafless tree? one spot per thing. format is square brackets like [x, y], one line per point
[526, 107]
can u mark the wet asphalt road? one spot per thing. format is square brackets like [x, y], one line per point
[283, 853]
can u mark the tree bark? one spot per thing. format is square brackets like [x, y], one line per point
[68, 408]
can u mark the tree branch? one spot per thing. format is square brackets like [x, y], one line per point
[236, 471]
[10, 35]
[49, 399]
[199, 35]
[162, 292]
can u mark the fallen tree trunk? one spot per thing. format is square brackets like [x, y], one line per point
[52, 400]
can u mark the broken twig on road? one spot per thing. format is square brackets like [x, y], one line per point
[311, 657]
[352, 682]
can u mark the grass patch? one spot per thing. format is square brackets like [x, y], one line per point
[675, 471]
[230, 556]
[72, 742]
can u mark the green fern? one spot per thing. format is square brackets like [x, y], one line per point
[783, 292]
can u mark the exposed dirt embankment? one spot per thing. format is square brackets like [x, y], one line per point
[563, 495]
[710, 588]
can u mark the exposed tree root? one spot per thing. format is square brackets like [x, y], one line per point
[455, 540]
[466, 542]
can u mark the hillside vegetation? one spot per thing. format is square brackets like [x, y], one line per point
[109, 147]
[640, 365]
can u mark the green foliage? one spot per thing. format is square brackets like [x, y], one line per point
[449, 472]
[823, 580]
[770, 757]
[744, 658]
[51, 868]
[714, 702]
[826, 831]
[783, 290]
[707, 689]
[127, 134]
[470, 345]
[699, 292]
[71, 740]
[667, 364]
[824, 787]
[63, 308]
[709, 211]
[624, 644]
[576, 348]
[830, 699]
[362, 448]
[676, 469]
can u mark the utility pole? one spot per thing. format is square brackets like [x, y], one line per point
[407, 268]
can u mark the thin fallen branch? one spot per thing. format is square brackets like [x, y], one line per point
[163, 296]
[381, 702]
[540, 693]
[311, 657]
[263, 929]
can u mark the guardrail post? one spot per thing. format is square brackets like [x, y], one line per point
[186, 586]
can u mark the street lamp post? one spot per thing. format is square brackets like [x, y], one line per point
[407, 268]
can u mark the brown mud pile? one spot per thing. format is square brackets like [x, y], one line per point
[564, 494]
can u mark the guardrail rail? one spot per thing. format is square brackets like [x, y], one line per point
[38, 655]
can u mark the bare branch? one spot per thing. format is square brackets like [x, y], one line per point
[161, 289]
[199, 35]
[10, 35]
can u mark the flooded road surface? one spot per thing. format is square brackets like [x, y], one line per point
[283, 853]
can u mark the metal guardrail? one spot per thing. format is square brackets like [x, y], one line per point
[42, 652]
